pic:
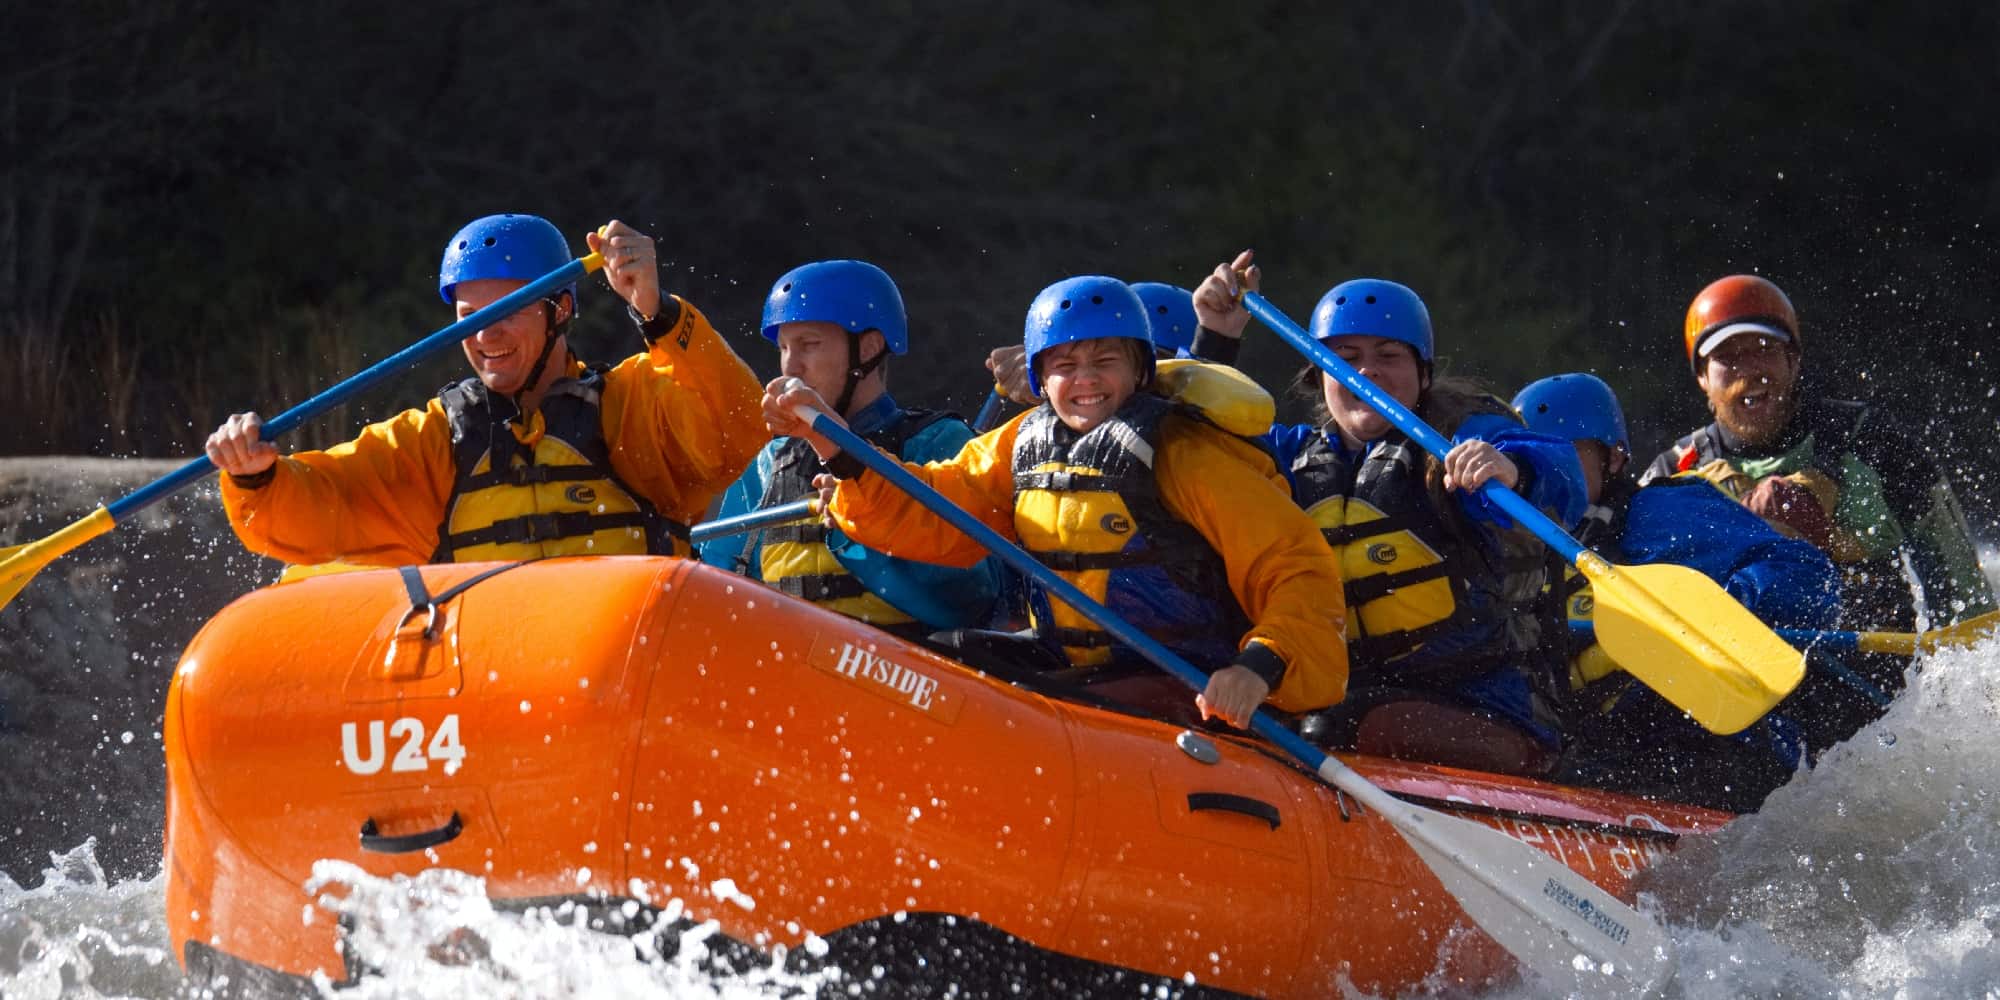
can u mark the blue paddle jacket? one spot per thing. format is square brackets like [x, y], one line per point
[1687, 521]
[1787, 582]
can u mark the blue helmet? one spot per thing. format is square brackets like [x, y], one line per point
[1574, 407]
[1091, 307]
[516, 247]
[1375, 308]
[1171, 312]
[854, 294]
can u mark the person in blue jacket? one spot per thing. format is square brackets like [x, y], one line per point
[835, 323]
[1443, 591]
[1624, 735]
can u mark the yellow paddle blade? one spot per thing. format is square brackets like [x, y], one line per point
[20, 563]
[1682, 635]
[1965, 633]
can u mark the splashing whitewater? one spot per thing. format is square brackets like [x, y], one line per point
[1876, 875]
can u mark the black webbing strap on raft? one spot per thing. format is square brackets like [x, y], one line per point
[422, 601]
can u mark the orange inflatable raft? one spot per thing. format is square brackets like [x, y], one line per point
[662, 725]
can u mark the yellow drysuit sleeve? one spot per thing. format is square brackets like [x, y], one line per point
[1280, 568]
[1284, 575]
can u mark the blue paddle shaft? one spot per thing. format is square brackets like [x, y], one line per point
[1409, 423]
[509, 304]
[1013, 555]
[988, 412]
[752, 521]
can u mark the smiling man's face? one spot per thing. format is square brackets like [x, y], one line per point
[1751, 383]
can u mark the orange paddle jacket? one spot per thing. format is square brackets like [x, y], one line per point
[682, 420]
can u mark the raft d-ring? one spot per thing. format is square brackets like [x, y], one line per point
[430, 627]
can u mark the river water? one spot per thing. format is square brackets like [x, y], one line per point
[1875, 875]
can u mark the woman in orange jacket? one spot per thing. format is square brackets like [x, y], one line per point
[1143, 502]
[538, 454]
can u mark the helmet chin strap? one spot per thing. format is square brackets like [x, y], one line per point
[857, 370]
[553, 332]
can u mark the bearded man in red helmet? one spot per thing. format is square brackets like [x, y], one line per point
[1839, 474]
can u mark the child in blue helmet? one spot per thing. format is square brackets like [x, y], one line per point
[1148, 505]
[1442, 590]
[538, 453]
[836, 322]
[1623, 735]
[1169, 313]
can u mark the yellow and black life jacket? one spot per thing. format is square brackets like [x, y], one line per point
[1088, 506]
[1595, 681]
[1414, 575]
[556, 496]
[793, 557]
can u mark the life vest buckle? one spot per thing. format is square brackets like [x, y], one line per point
[540, 528]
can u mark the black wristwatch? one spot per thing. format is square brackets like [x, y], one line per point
[666, 319]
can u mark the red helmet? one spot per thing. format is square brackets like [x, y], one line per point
[1740, 303]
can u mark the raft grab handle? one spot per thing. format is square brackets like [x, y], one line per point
[410, 843]
[1227, 802]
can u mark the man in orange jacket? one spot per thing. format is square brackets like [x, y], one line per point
[538, 454]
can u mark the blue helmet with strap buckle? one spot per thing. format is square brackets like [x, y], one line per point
[1375, 308]
[853, 294]
[512, 247]
[1574, 407]
[1170, 310]
[1090, 307]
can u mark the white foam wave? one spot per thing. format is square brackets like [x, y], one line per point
[436, 934]
[75, 935]
[1877, 874]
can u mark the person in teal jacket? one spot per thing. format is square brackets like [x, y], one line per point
[835, 323]
[1624, 736]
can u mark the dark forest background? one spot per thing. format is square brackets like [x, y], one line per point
[207, 207]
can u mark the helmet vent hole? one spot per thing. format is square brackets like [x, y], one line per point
[1541, 407]
[1097, 300]
[1340, 301]
[1162, 310]
[787, 288]
[1065, 304]
[461, 244]
[490, 241]
[1370, 300]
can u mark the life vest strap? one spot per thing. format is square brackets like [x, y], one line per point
[1370, 657]
[530, 475]
[1063, 561]
[1361, 590]
[818, 588]
[551, 527]
[1340, 535]
[1388, 645]
[1066, 481]
[804, 532]
[1168, 553]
